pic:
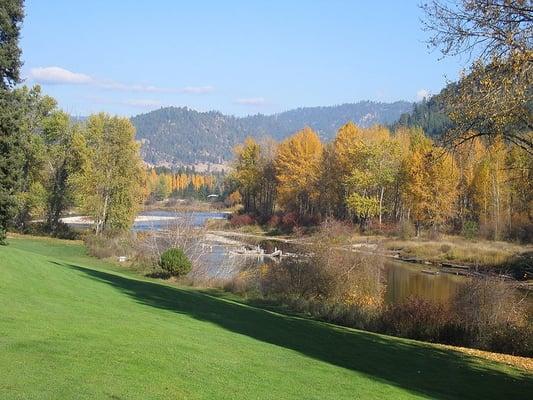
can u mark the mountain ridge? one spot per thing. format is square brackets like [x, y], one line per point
[175, 136]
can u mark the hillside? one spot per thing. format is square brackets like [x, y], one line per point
[74, 327]
[177, 136]
[429, 115]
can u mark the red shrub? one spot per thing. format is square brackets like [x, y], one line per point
[241, 220]
[274, 221]
[289, 221]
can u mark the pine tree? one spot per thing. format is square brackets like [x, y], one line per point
[11, 16]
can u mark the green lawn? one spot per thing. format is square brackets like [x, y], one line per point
[72, 327]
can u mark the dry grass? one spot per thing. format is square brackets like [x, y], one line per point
[456, 249]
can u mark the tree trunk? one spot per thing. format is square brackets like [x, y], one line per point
[381, 204]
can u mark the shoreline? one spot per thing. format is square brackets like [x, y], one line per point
[378, 248]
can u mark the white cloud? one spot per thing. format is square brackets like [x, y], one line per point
[197, 89]
[58, 75]
[423, 94]
[251, 101]
[142, 103]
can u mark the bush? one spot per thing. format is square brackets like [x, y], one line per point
[470, 230]
[175, 262]
[406, 230]
[416, 318]
[334, 231]
[511, 338]
[445, 247]
[241, 220]
[109, 245]
[274, 221]
[492, 314]
[289, 221]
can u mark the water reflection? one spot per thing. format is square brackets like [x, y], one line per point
[404, 280]
[400, 280]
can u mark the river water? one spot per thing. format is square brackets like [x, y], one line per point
[401, 279]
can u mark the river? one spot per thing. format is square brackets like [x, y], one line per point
[401, 279]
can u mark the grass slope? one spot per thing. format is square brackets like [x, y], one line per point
[72, 327]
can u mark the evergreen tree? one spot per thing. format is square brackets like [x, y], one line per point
[11, 15]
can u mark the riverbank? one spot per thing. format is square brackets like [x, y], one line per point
[452, 254]
[186, 205]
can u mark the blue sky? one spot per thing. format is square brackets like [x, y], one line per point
[239, 57]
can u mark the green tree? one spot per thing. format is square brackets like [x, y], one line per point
[11, 16]
[58, 131]
[254, 176]
[109, 181]
[34, 109]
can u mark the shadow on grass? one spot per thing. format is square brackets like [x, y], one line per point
[413, 366]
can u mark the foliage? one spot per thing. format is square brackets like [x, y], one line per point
[370, 175]
[364, 207]
[417, 319]
[11, 16]
[406, 230]
[494, 98]
[254, 176]
[238, 220]
[470, 229]
[108, 182]
[371, 165]
[11, 161]
[175, 262]
[297, 170]
[163, 183]
[233, 199]
[431, 180]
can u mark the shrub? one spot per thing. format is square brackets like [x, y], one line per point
[434, 233]
[289, 221]
[109, 245]
[334, 231]
[493, 316]
[274, 221]
[406, 230]
[241, 220]
[470, 230]
[445, 247]
[175, 262]
[416, 318]
[511, 338]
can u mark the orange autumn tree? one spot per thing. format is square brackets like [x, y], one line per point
[297, 167]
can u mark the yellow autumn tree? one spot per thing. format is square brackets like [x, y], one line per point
[491, 192]
[297, 170]
[469, 156]
[431, 181]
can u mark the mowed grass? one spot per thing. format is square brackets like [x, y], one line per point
[73, 327]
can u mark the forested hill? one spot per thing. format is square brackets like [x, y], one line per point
[176, 136]
[429, 115]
